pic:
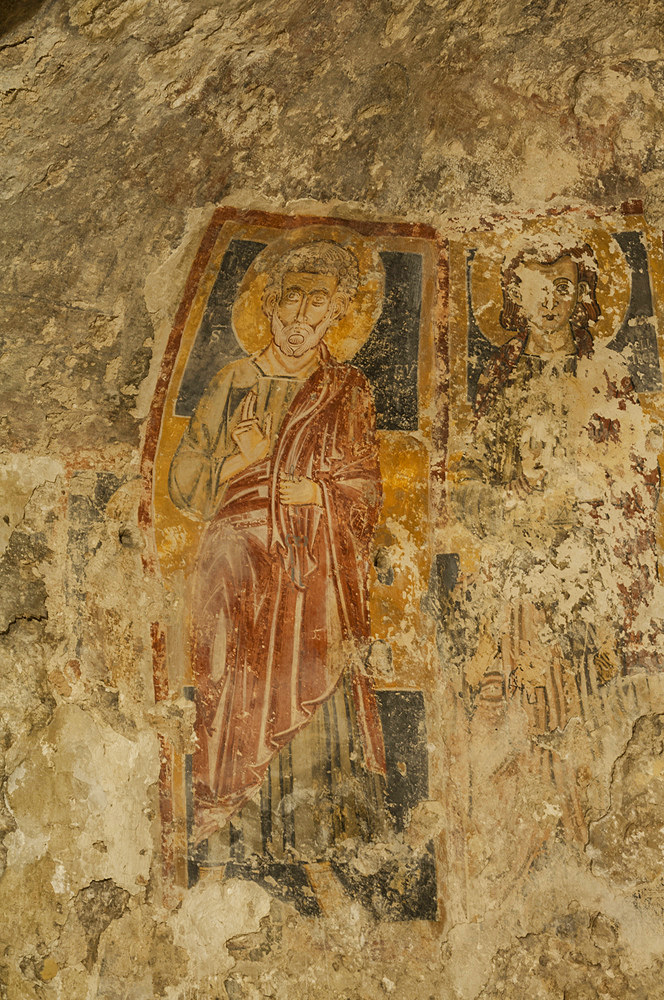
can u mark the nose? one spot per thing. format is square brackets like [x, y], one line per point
[548, 297]
[304, 302]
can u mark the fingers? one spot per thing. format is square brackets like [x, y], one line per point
[247, 425]
[241, 430]
[248, 437]
[267, 425]
[289, 490]
[248, 410]
[251, 405]
[298, 491]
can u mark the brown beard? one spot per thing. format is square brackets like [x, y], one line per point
[281, 332]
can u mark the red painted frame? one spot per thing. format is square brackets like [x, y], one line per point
[439, 429]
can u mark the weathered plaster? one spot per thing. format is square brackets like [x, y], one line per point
[123, 123]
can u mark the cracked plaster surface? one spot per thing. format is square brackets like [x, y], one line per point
[122, 123]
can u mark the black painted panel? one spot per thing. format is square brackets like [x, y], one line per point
[637, 337]
[216, 344]
[389, 356]
[404, 732]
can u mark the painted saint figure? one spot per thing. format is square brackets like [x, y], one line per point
[281, 460]
[560, 483]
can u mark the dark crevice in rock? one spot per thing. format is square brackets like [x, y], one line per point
[16, 12]
[23, 618]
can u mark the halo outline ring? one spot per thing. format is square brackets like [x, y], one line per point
[252, 327]
[613, 284]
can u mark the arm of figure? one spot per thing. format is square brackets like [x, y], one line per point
[479, 475]
[489, 508]
[208, 456]
[350, 467]
[478, 499]
[349, 479]
[500, 478]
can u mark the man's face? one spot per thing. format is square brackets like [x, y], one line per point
[308, 306]
[547, 293]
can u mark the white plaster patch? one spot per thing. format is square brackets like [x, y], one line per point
[88, 795]
[22, 850]
[210, 915]
[60, 882]
[20, 476]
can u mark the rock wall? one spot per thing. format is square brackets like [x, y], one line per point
[125, 126]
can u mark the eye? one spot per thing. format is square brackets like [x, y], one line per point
[292, 295]
[319, 299]
[564, 286]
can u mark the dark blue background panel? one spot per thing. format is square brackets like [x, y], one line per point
[388, 357]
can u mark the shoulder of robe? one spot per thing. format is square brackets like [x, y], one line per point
[351, 379]
[241, 373]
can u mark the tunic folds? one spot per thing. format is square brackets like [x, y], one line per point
[279, 595]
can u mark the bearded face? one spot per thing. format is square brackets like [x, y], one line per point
[309, 304]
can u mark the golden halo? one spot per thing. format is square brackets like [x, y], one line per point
[613, 283]
[344, 339]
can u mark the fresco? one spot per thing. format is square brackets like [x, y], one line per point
[412, 550]
[289, 509]
[553, 622]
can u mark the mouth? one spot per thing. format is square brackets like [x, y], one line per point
[296, 339]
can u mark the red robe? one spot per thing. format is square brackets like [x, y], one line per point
[277, 587]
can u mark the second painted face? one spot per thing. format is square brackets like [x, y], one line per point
[547, 294]
[306, 309]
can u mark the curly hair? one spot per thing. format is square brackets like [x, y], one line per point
[319, 257]
[542, 250]
[548, 251]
